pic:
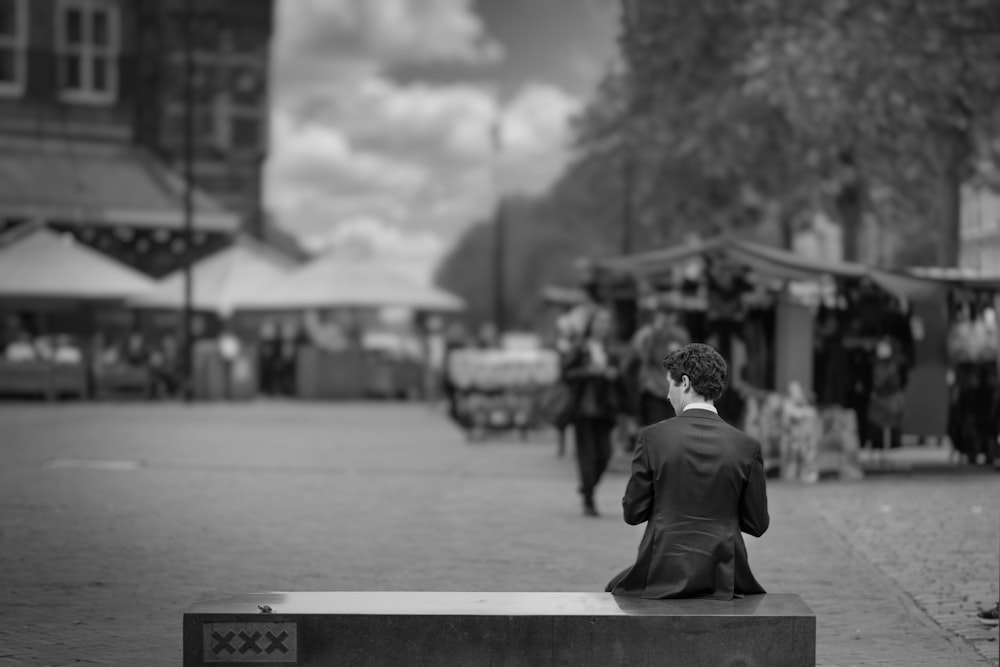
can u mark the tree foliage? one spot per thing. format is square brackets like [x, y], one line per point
[753, 115]
[876, 107]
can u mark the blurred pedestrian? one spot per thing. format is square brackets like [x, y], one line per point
[136, 353]
[435, 351]
[592, 370]
[22, 348]
[567, 340]
[164, 368]
[269, 358]
[885, 406]
[456, 339]
[651, 345]
[292, 338]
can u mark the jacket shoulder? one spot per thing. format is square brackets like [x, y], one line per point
[659, 429]
[676, 426]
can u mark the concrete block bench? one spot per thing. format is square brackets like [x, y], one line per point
[452, 628]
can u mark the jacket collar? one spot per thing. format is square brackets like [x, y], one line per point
[698, 412]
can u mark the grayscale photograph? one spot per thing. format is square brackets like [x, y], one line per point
[587, 333]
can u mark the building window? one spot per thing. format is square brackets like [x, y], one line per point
[88, 43]
[245, 132]
[13, 45]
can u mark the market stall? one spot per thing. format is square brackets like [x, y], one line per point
[331, 305]
[835, 339]
[226, 359]
[58, 299]
[972, 339]
[498, 390]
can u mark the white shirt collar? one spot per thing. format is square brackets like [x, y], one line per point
[700, 406]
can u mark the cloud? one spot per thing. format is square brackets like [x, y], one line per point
[370, 234]
[536, 137]
[411, 253]
[387, 31]
[417, 155]
[349, 143]
[322, 158]
[438, 121]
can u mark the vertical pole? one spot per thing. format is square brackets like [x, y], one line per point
[187, 29]
[628, 141]
[499, 240]
[628, 168]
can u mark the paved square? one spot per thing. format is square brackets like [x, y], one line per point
[113, 519]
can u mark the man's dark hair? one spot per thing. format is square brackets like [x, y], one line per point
[703, 365]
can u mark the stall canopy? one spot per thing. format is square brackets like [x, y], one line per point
[956, 277]
[649, 264]
[334, 282]
[773, 263]
[776, 262]
[223, 280]
[779, 263]
[40, 264]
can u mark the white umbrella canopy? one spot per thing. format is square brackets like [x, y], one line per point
[335, 282]
[42, 264]
[221, 281]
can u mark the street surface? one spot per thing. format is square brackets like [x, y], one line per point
[115, 518]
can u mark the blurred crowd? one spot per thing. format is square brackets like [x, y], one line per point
[863, 355]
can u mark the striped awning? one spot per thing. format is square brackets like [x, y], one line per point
[91, 183]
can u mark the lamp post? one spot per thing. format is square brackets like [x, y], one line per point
[628, 182]
[187, 29]
[499, 240]
[628, 140]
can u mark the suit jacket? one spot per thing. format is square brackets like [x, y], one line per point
[698, 483]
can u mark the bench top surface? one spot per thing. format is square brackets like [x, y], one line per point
[448, 603]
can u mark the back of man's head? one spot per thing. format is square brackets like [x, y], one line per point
[703, 365]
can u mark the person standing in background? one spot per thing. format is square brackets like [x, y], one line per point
[651, 345]
[292, 337]
[456, 339]
[566, 342]
[268, 358]
[592, 372]
[436, 350]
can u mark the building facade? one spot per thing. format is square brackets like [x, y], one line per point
[230, 54]
[92, 108]
[979, 242]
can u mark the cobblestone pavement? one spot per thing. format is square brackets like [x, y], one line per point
[113, 519]
[937, 538]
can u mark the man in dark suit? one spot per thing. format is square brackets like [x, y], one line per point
[699, 484]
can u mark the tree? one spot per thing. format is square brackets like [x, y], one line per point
[544, 241]
[896, 95]
[709, 157]
[748, 117]
[769, 108]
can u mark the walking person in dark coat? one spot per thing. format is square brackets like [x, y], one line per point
[592, 372]
[698, 484]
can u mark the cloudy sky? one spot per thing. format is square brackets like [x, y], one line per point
[382, 110]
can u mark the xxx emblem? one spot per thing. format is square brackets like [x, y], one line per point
[250, 642]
